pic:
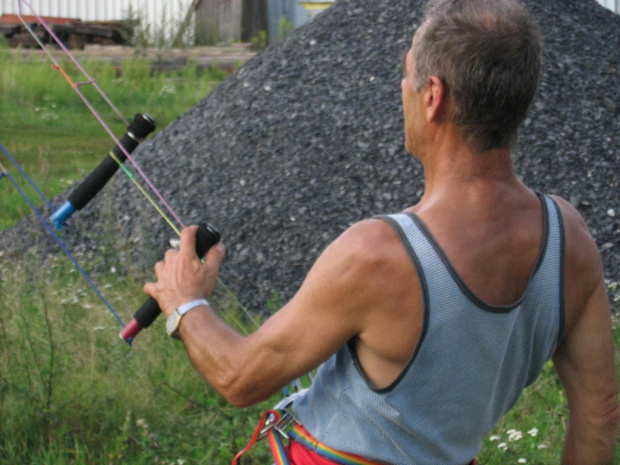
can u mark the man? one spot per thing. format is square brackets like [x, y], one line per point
[431, 322]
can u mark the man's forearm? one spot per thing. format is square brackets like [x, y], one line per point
[591, 444]
[215, 350]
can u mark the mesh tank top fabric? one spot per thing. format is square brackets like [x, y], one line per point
[470, 365]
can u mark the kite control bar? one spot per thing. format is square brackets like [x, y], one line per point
[141, 126]
[206, 237]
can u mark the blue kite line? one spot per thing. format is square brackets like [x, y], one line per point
[51, 230]
[30, 181]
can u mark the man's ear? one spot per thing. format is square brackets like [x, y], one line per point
[434, 98]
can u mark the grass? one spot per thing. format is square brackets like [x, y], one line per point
[48, 129]
[71, 392]
[533, 431]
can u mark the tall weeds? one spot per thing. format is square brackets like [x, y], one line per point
[72, 392]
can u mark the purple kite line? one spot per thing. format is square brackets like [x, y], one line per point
[95, 113]
[71, 57]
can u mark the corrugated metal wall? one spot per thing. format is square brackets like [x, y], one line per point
[155, 12]
[172, 10]
[613, 5]
[112, 9]
[92, 10]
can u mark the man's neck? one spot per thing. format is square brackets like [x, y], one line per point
[453, 170]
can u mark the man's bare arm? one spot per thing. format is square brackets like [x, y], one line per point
[327, 311]
[585, 365]
[585, 361]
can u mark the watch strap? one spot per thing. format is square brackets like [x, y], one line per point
[183, 309]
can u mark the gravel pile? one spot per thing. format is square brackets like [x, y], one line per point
[306, 138]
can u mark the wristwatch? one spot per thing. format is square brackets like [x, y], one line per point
[174, 319]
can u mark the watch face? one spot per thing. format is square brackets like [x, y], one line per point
[172, 324]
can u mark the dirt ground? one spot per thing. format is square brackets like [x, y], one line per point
[225, 58]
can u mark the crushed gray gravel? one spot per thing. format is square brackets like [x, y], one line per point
[306, 138]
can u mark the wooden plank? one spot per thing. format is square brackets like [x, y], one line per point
[95, 31]
[218, 21]
[7, 30]
[178, 39]
[24, 39]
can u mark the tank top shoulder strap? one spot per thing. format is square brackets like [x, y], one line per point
[550, 268]
[432, 266]
[416, 240]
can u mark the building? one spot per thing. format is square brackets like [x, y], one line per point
[207, 21]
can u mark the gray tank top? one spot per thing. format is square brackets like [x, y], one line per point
[470, 365]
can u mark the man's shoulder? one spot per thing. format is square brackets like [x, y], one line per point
[579, 241]
[583, 269]
[367, 250]
[370, 238]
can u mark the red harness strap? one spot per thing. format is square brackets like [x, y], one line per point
[303, 448]
[278, 449]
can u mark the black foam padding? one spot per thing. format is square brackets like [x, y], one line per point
[129, 144]
[141, 126]
[206, 237]
[93, 183]
[147, 313]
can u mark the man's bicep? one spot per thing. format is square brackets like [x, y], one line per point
[327, 311]
[584, 361]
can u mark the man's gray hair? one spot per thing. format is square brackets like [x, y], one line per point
[488, 55]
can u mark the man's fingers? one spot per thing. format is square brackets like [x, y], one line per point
[169, 254]
[188, 240]
[215, 256]
[158, 267]
[149, 289]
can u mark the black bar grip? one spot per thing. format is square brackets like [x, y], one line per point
[206, 237]
[141, 126]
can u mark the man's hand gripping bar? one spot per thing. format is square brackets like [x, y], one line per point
[206, 237]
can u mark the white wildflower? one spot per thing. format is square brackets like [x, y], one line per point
[533, 432]
[514, 435]
[167, 89]
[494, 438]
[521, 461]
[502, 446]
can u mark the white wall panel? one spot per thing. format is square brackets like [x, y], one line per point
[153, 10]
[101, 10]
[613, 5]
